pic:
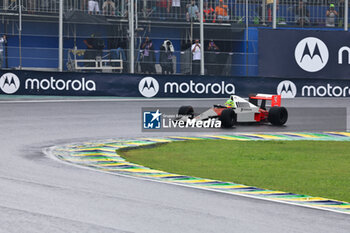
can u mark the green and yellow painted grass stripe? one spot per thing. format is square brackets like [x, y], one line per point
[102, 156]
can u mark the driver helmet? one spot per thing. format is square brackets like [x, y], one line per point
[230, 103]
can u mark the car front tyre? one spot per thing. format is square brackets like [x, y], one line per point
[228, 118]
[186, 111]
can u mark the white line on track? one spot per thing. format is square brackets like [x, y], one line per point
[105, 100]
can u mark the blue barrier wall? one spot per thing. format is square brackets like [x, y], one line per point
[37, 51]
[42, 51]
[249, 57]
[304, 54]
[164, 86]
[251, 52]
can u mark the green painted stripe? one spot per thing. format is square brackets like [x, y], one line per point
[223, 184]
[238, 136]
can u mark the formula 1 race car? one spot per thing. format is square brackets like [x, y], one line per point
[240, 110]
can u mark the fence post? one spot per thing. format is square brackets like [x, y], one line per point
[60, 40]
[346, 14]
[201, 29]
[20, 33]
[247, 36]
[274, 16]
[263, 12]
[131, 36]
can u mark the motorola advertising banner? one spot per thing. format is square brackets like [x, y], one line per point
[304, 54]
[163, 86]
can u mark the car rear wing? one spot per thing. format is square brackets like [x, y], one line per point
[275, 99]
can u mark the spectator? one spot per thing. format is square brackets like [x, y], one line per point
[209, 13]
[192, 12]
[90, 52]
[45, 5]
[148, 9]
[302, 14]
[148, 59]
[124, 9]
[93, 7]
[196, 57]
[108, 7]
[94, 47]
[99, 46]
[184, 9]
[166, 57]
[119, 53]
[221, 12]
[212, 58]
[2, 42]
[162, 8]
[175, 8]
[269, 4]
[331, 13]
[31, 6]
[84, 4]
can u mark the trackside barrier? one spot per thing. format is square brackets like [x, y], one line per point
[304, 54]
[164, 86]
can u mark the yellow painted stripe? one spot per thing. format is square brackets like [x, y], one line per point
[137, 143]
[225, 186]
[157, 139]
[263, 192]
[74, 150]
[95, 154]
[303, 199]
[163, 175]
[89, 148]
[188, 138]
[93, 160]
[117, 146]
[113, 164]
[340, 133]
[105, 149]
[144, 170]
[226, 138]
[336, 206]
[194, 181]
[303, 135]
[265, 136]
[98, 148]
[136, 170]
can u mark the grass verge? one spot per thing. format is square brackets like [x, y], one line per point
[316, 168]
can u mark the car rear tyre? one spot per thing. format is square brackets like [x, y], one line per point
[186, 111]
[228, 118]
[278, 115]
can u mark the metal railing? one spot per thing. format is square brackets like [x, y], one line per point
[289, 12]
[32, 6]
[179, 62]
[256, 12]
[77, 60]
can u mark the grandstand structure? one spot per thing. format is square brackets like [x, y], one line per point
[51, 35]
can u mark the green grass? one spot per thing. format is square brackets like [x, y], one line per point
[316, 168]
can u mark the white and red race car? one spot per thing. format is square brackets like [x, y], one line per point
[241, 111]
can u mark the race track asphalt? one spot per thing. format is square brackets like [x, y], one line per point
[38, 194]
